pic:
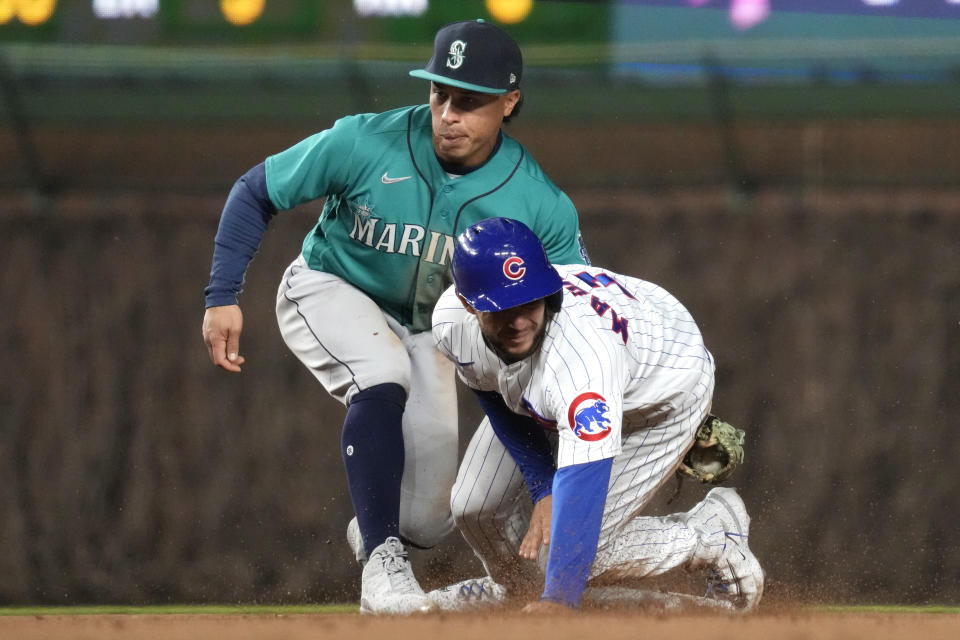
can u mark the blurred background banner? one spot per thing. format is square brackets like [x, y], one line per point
[788, 168]
[839, 41]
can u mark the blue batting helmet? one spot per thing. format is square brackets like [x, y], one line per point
[499, 263]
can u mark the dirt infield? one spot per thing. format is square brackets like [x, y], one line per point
[606, 625]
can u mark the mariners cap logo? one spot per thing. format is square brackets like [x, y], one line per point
[588, 417]
[455, 57]
[513, 267]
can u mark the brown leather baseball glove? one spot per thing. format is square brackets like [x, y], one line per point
[716, 452]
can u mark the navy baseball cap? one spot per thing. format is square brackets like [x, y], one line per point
[474, 55]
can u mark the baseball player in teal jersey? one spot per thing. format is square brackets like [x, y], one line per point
[355, 305]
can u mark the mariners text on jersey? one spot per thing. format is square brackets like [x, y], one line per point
[406, 240]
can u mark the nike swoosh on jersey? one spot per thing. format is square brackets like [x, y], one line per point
[388, 180]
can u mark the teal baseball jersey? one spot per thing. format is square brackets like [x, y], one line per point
[391, 212]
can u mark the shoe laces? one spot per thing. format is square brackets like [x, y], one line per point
[397, 566]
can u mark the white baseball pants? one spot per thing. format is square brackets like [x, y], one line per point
[492, 507]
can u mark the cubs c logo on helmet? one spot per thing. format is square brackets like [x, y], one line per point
[588, 417]
[513, 267]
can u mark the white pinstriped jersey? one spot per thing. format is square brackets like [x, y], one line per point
[620, 353]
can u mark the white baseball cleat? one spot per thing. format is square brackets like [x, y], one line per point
[355, 540]
[475, 594]
[388, 584]
[734, 573]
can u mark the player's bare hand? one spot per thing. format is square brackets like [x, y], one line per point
[545, 606]
[538, 533]
[221, 333]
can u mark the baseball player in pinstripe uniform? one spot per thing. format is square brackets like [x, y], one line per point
[355, 304]
[594, 384]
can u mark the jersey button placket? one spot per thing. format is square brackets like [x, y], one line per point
[444, 210]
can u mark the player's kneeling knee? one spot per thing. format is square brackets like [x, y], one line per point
[464, 510]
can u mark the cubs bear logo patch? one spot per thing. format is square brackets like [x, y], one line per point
[588, 416]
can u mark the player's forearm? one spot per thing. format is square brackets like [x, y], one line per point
[579, 495]
[526, 442]
[243, 222]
